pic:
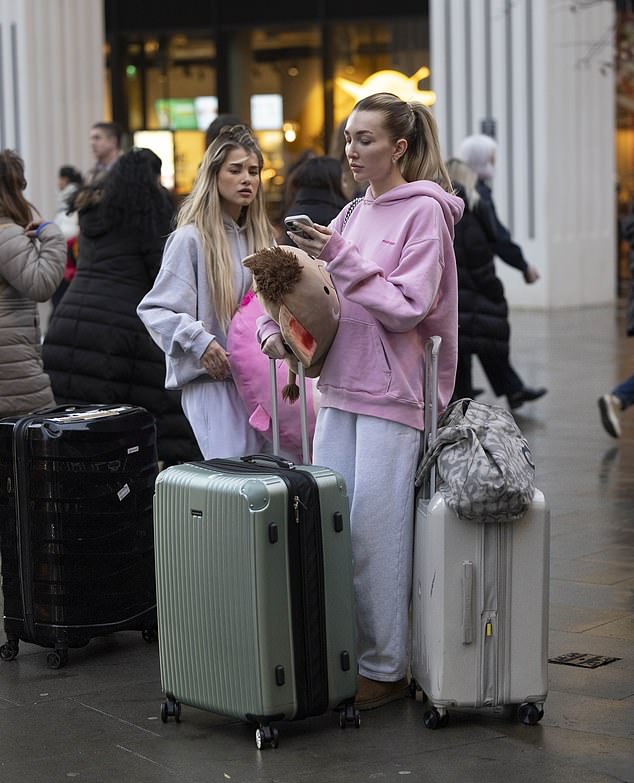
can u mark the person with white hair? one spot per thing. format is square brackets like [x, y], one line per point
[478, 152]
[484, 329]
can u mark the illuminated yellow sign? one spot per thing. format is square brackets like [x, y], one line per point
[406, 87]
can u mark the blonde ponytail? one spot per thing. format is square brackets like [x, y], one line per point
[415, 123]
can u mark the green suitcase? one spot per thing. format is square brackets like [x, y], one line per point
[254, 591]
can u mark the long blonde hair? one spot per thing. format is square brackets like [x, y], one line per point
[203, 209]
[415, 123]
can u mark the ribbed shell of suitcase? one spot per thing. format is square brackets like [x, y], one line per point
[306, 578]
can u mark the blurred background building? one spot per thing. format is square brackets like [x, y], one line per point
[552, 80]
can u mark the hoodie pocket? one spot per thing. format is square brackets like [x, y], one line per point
[357, 360]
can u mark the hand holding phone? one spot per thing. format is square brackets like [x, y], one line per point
[294, 223]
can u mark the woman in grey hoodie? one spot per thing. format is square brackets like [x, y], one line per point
[200, 286]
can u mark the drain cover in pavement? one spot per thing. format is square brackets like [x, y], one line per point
[585, 660]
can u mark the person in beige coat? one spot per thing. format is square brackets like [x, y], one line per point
[32, 259]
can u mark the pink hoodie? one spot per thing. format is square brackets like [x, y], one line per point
[395, 272]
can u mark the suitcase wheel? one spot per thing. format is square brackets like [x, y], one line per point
[171, 708]
[530, 713]
[57, 659]
[266, 737]
[436, 719]
[150, 634]
[9, 650]
[348, 714]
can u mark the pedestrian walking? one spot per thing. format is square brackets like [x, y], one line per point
[479, 153]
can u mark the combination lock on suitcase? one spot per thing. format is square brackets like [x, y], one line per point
[254, 591]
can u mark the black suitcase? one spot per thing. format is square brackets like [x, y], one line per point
[76, 533]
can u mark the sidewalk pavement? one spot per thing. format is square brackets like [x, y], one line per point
[97, 719]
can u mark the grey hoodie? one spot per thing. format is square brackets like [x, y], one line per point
[178, 311]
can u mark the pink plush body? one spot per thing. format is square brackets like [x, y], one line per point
[251, 374]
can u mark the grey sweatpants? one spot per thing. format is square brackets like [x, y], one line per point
[220, 420]
[377, 458]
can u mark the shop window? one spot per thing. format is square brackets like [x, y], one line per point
[277, 88]
[171, 86]
[376, 57]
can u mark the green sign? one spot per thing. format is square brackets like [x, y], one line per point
[176, 113]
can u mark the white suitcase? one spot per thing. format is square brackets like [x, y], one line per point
[479, 602]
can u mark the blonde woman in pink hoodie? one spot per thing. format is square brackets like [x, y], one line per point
[394, 268]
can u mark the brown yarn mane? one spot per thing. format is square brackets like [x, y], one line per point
[275, 272]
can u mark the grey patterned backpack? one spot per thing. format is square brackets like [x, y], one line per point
[484, 467]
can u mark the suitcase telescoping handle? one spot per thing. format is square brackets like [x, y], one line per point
[303, 410]
[467, 602]
[430, 396]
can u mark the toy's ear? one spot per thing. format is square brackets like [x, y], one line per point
[275, 272]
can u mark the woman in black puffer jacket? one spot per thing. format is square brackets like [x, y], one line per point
[96, 348]
[318, 191]
[484, 329]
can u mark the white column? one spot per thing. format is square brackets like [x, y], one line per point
[543, 72]
[51, 87]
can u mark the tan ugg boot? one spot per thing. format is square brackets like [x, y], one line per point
[372, 693]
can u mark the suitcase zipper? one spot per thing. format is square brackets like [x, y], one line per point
[296, 505]
[490, 558]
[310, 575]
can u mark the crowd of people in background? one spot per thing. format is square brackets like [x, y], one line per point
[316, 185]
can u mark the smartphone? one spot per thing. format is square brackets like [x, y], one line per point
[295, 223]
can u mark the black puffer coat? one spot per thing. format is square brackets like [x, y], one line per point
[503, 245]
[320, 204]
[97, 349]
[482, 308]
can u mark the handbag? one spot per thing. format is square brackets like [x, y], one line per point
[485, 470]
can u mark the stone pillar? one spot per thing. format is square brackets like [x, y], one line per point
[540, 74]
[52, 76]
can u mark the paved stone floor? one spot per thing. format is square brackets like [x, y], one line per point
[97, 719]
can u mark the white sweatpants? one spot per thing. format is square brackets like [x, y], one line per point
[377, 459]
[220, 420]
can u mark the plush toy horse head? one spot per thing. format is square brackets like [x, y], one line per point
[298, 293]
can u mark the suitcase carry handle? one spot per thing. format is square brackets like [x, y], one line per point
[279, 461]
[303, 410]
